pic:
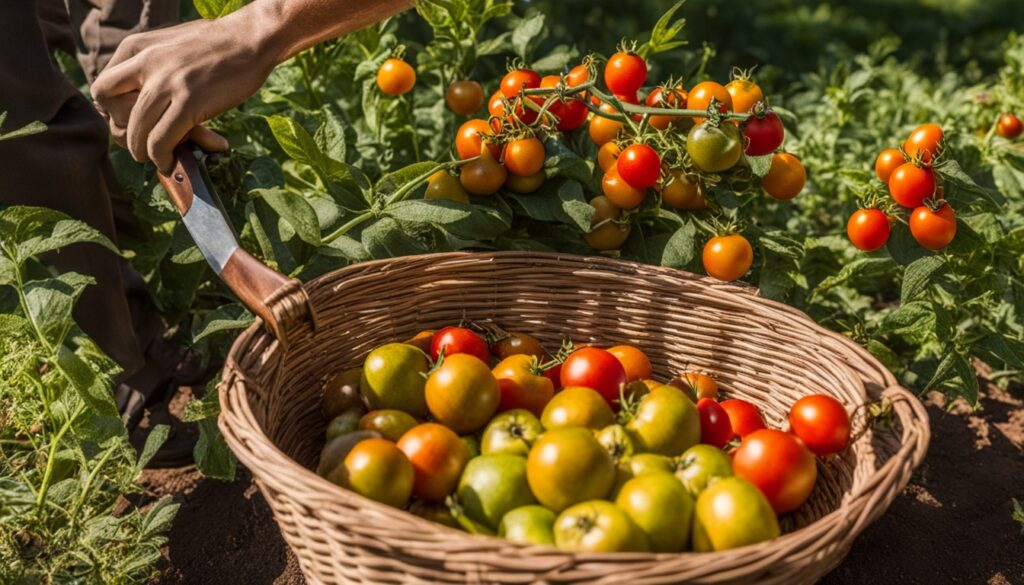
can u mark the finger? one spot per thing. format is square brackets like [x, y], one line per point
[119, 107]
[146, 113]
[119, 134]
[126, 49]
[169, 131]
[116, 80]
[208, 140]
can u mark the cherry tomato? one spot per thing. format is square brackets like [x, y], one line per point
[483, 176]
[567, 466]
[571, 112]
[1009, 126]
[910, 184]
[578, 75]
[821, 422]
[517, 344]
[469, 141]
[934, 230]
[462, 393]
[868, 229]
[621, 193]
[609, 235]
[603, 130]
[744, 417]
[341, 393]
[596, 369]
[513, 432]
[607, 155]
[377, 469]
[639, 165]
[636, 364]
[438, 457]
[714, 149]
[496, 104]
[455, 340]
[700, 96]
[763, 134]
[727, 257]
[528, 525]
[745, 95]
[679, 192]
[522, 384]
[698, 384]
[888, 161]
[396, 77]
[715, 428]
[625, 73]
[517, 80]
[659, 98]
[779, 465]
[524, 157]
[525, 185]
[464, 97]
[786, 177]
[443, 185]
[577, 407]
[924, 142]
[554, 373]
[701, 464]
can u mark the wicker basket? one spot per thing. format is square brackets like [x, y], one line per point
[757, 349]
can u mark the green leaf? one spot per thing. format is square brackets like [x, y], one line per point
[386, 238]
[37, 230]
[760, 165]
[457, 218]
[524, 34]
[230, 317]
[966, 383]
[97, 391]
[960, 187]
[664, 33]
[301, 147]
[295, 210]
[213, 457]
[945, 370]
[211, 9]
[859, 268]
[263, 173]
[16, 499]
[27, 130]
[679, 250]
[1005, 349]
[346, 247]
[903, 248]
[330, 137]
[914, 321]
[49, 303]
[565, 162]
[391, 182]
[156, 438]
[918, 275]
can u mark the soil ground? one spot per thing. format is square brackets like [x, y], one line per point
[952, 524]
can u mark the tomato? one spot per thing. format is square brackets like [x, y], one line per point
[697, 385]
[512, 432]
[714, 149]
[821, 422]
[571, 112]
[496, 105]
[660, 98]
[606, 233]
[910, 184]
[442, 185]
[525, 185]
[596, 369]
[680, 192]
[438, 456]
[779, 465]
[396, 77]
[438, 513]
[934, 230]
[744, 417]
[661, 507]
[786, 177]
[745, 94]
[603, 130]
[567, 466]
[665, 422]
[700, 465]
[341, 392]
[625, 73]
[469, 141]
[518, 80]
[376, 469]
[888, 161]
[598, 526]
[607, 155]
[727, 257]
[621, 193]
[636, 364]
[462, 394]
[455, 340]
[493, 485]
[732, 513]
[1009, 126]
[578, 75]
[422, 339]
[577, 407]
[483, 176]
[639, 464]
[763, 134]
[335, 450]
[344, 423]
[715, 428]
[524, 157]
[924, 142]
[517, 344]
[700, 96]
[390, 423]
[522, 384]
[393, 377]
[528, 525]
[868, 229]
[639, 165]
[464, 97]
[616, 440]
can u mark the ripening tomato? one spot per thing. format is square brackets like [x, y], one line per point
[924, 142]
[910, 184]
[786, 177]
[635, 362]
[567, 466]
[336, 450]
[779, 465]
[344, 423]
[517, 344]
[524, 157]
[578, 75]
[663, 98]
[698, 384]
[603, 130]
[1009, 126]
[483, 176]
[763, 133]
[598, 526]
[665, 422]
[701, 94]
[868, 229]
[727, 257]
[621, 193]
[496, 104]
[714, 149]
[469, 139]
[443, 185]
[396, 77]
[731, 513]
[464, 97]
[745, 94]
[390, 423]
[513, 432]
[639, 165]
[525, 185]
[888, 161]
[393, 378]
[715, 428]
[462, 393]
[455, 340]
[522, 384]
[377, 469]
[438, 457]
[518, 80]
[493, 485]
[607, 155]
[596, 369]
[528, 525]
[662, 508]
[699, 465]
[341, 392]
[744, 416]
[934, 230]
[680, 192]
[605, 232]
[821, 422]
[577, 407]
[625, 73]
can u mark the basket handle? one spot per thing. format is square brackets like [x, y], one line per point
[278, 300]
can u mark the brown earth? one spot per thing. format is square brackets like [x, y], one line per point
[952, 524]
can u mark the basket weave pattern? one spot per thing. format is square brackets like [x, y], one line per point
[756, 349]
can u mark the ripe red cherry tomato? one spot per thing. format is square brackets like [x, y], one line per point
[639, 165]
[625, 73]
[763, 134]
[715, 428]
[821, 422]
[1009, 126]
[934, 230]
[868, 229]
[910, 184]
[572, 112]
[924, 142]
[517, 80]
[596, 369]
[780, 465]
[459, 340]
[888, 161]
[744, 417]
[659, 98]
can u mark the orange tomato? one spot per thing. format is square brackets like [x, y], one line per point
[438, 457]
[634, 361]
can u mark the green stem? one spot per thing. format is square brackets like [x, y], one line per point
[92, 477]
[405, 190]
[48, 474]
[629, 108]
[352, 223]
[309, 82]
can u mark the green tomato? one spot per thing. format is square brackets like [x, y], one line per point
[512, 432]
[528, 525]
[390, 423]
[491, 486]
[659, 504]
[343, 424]
[714, 149]
[666, 422]
[473, 444]
[568, 466]
[731, 513]
[336, 449]
[701, 465]
[598, 526]
[577, 407]
[616, 440]
[637, 465]
[394, 376]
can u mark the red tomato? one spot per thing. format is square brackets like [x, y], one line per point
[459, 340]
[1009, 126]
[554, 373]
[780, 465]
[821, 422]
[888, 161]
[674, 99]
[596, 369]
[763, 134]
[715, 428]
[934, 230]
[910, 184]
[634, 361]
[578, 75]
[924, 142]
[522, 385]
[517, 80]
[639, 165]
[744, 417]
[625, 73]
[438, 456]
[571, 112]
[868, 229]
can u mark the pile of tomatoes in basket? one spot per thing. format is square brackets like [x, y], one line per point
[582, 449]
